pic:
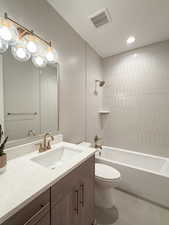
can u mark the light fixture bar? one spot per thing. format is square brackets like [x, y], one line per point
[26, 30]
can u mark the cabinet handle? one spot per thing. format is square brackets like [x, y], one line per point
[43, 209]
[77, 202]
[82, 195]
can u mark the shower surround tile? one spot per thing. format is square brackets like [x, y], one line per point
[137, 95]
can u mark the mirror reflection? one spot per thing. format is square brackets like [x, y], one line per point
[30, 98]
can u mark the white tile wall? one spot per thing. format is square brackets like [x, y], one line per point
[137, 94]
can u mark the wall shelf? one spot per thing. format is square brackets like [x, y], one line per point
[104, 112]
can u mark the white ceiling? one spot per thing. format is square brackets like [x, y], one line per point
[147, 20]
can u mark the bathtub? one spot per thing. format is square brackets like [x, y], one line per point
[143, 175]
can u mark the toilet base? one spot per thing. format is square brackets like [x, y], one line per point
[106, 216]
[103, 197]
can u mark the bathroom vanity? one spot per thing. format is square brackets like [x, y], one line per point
[66, 196]
[69, 202]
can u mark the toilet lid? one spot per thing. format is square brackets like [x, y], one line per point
[105, 172]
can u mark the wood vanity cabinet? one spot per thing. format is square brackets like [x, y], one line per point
[36, 212]
[68, 202]
[72, 198]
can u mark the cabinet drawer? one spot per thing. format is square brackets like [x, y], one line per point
[45, 220]
[39, 216]
[33, 212]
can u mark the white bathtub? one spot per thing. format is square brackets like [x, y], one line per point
[143, 175]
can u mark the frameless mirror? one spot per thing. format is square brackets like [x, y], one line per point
[30, 98]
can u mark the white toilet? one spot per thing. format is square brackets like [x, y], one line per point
[106, 178]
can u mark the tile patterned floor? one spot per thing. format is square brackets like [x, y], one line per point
[133, 211]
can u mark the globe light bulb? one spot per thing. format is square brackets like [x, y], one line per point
[51, 55]
[20, 52]
[32, 47]
[8, 31]
[39, 61]
[5, 33]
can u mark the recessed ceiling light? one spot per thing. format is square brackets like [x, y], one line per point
[131, 40]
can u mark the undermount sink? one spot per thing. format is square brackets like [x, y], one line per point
[56, 157]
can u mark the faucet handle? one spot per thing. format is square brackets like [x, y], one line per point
[41, 148]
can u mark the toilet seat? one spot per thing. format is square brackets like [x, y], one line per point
[106, 173]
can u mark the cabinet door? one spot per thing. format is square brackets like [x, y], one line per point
[72, 198]
[65, 201]
[86, 192]
[66, 211]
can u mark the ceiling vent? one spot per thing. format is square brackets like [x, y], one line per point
[100, 18]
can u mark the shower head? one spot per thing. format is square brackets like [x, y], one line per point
[101, 82]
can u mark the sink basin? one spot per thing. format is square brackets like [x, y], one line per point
[56, 157]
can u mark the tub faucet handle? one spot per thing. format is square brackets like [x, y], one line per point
[96, 141]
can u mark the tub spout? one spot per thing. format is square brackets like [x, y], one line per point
[100, 152]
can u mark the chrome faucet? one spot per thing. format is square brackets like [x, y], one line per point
[46, 144]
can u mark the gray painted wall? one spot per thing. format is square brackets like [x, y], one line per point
[41, 17]
[137, 94]
[94, 102]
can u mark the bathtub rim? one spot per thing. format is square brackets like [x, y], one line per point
[131, 166]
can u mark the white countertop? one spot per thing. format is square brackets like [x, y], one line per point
[24, 179]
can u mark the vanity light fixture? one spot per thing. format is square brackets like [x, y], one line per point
[8, 31]
[131, 40]
[25, 43]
